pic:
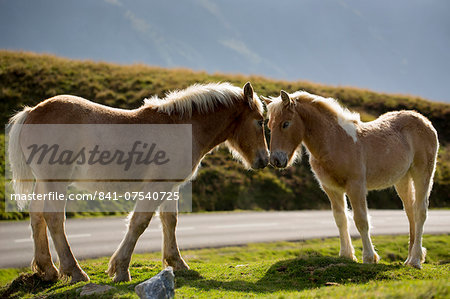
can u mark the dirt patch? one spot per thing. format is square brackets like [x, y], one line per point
[27, 282]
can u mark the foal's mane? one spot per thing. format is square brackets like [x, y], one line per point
[345, 118]
[203, 98]
[329, 104]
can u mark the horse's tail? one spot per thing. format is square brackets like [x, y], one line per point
[22, 177]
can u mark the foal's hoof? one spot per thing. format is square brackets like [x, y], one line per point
[118, 271]
[51, 275]
[79, 275]
[414, 263]
[177, 265]
[181, 266]
[371, 259]
[122, 277]
[349, 256]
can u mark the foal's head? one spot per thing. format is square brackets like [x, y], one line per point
[247, 140]
[287, 130]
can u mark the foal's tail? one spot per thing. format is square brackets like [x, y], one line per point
[22, 177]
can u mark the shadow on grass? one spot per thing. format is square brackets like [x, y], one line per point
[25, 283]
[293, 274]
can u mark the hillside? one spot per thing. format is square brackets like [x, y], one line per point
[222, 184]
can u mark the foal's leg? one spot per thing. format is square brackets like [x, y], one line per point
[139, 220]
[54, 214]
[339, 207]
[357, 196]
[422, 186]
[171, 254]
[405, 191]
[42, 262]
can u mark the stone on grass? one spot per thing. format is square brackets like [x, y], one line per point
[160, 286]
[94, 289]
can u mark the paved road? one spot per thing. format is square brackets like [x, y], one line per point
[97, 237]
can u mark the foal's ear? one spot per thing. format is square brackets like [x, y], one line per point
[285, 98]
[248, 91]
[266, 100]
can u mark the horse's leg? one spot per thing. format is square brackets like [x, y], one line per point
[42, 262]
[405, 191]
[422, 186]
[54, 215]
[171, 254]
[120, 260]
[357, 196]
[339, 207]
[139, 220]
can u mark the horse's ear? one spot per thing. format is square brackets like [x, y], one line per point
[285, 98]
[248, 91]
[266, 100]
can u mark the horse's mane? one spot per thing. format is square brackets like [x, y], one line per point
[203, 98]
[345, 118]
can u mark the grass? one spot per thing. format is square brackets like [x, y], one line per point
[282, 270]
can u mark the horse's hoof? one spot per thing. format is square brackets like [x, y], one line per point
[122, 277]
[181, 266]
[176, 263]
[79, 275]
[52, 275]
[371, 259]
[349, 256]
[414, 262]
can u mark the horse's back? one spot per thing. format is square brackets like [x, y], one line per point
[68, 109]
[401, 124]
[416, 127]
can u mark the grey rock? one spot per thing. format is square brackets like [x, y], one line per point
[92, 288]
[160, 286]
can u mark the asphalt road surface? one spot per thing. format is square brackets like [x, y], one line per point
[95, 237]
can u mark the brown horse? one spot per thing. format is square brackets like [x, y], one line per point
[350, 157]
[217, 113]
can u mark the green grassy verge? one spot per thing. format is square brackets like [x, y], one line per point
[283, 269]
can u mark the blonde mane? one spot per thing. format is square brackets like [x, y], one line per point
[345, 118]
[203, 98]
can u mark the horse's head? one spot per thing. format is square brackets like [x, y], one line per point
[287, 130]
[247, 140]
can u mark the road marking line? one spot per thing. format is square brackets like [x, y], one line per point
[69, 237]
[244, 225]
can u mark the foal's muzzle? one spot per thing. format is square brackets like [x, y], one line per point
[278, 159]
[261, 160]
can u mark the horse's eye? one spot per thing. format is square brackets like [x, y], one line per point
[285, 124]
[260, 123]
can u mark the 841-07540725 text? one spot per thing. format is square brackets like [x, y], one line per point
[161, 195]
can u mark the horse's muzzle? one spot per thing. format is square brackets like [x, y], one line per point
[262, 159]
[278, 159]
